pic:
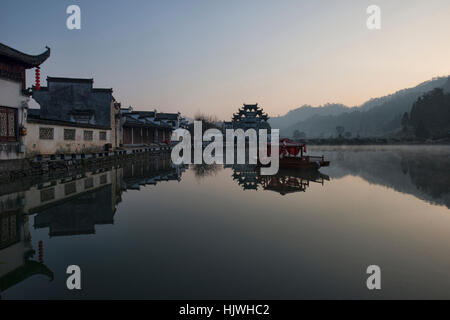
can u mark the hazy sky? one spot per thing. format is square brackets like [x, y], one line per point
[212, 56]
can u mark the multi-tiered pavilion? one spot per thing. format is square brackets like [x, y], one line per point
[250, 116]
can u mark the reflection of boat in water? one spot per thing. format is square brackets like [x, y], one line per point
[290, 181]
[292, 155]
[284, 182]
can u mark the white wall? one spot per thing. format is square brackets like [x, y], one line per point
[11, 93]
[58, 145]
[33, 195]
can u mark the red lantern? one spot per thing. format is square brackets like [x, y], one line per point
[38, 78]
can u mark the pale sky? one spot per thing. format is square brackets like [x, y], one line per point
[212, 56]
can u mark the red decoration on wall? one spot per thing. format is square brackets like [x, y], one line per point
[38, 78]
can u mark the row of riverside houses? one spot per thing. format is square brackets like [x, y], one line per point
[74, 117]
[146, 127]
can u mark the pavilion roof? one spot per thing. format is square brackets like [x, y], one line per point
[29, 61]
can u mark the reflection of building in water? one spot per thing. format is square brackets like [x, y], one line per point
[69, 206]
[95, 196]
[246, 176]
[16, 251]
[143, 173]
[74, 205]
[286, 181]
[78, 215]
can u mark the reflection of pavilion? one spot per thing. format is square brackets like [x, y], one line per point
[286, 181]
[246, 176]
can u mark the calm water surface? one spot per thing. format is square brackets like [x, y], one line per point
[152, 230]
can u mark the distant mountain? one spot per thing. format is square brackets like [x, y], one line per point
[376, 117]
[426, 86]
[446, 86]
[305, 112]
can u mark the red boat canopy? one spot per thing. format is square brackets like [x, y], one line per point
[291, 148]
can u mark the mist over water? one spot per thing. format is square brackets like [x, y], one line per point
[421, 171]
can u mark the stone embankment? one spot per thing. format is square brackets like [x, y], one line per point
[56, 165]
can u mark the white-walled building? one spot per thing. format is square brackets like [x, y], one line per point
[147, 127]
[14, 99]
[74, 118]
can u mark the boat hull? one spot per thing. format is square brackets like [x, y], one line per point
[303, 163]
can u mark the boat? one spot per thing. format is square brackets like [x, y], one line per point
[293, 156]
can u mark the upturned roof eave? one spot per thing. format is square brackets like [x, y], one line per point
[28, 61]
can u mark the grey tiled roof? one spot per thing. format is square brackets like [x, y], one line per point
[167, 116]
[27, 60]
[65, 98]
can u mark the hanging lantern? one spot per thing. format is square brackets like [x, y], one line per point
[38, 78]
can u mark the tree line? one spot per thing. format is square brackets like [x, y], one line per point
[429, 117]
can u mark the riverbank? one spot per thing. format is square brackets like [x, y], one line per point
[374, 141]
[55, 166]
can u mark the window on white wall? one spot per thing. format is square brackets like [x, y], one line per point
[88, 135]
[69, 134]
[46, 133]
[8, 123]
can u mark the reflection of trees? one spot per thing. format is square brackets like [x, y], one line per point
[430, 174]
[420, 171]
[202, 171]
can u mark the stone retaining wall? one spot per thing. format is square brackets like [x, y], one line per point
[11, 171]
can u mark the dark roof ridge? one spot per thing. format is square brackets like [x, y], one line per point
[66, 79]
[30, 61]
